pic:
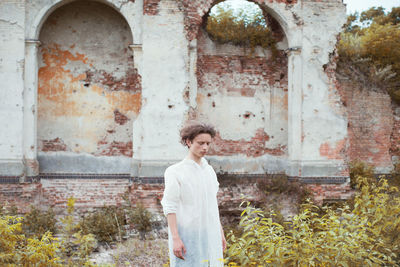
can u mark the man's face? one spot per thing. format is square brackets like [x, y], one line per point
[200, 145]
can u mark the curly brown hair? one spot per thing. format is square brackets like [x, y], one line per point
[193, 129]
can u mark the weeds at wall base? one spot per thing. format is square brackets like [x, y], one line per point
[366, 235]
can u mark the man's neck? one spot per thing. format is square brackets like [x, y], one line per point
[194, 158]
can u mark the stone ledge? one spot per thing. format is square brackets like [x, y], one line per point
[10, 179]
[11, 168]
[83, 176]
[149, 180]
[222, 178]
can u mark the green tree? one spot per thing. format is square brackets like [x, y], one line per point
[240, 27]
[372, 49]
[366, 235]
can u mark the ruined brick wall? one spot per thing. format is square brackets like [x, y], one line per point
[372, 132]
[20, 195]
[330, 192]
[88, 194]
[89, 91]
[244, 94]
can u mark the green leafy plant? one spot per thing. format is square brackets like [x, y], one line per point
[395, 176]
[359, 168]
[105, 224]
[85, 245]
[37, 222]
[225, 26]
[17, 250]
[369, 53]
[76, 245]
[141, 219]
[366, 235]
[69, 228]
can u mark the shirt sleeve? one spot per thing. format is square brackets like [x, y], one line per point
[171, 197]
[215, 181]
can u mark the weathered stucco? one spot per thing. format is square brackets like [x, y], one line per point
[12, 23]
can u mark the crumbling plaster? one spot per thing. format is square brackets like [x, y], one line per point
[165, 55]
[12, 22]
[323, 123]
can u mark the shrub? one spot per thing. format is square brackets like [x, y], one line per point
[85, 245]
[359, 168]
[8, 210]
[37, 222]
[41, 252]
[76, 246]
[17, 250]
[105, 224]
[367, 235]
[395, 179]
[141, 219]
[69, 228]
[370, 54]
[224, 26]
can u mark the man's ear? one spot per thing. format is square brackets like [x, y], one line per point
[188, 143]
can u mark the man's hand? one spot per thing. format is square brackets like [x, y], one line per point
[223, 243]
[179, 248]
[223, 239]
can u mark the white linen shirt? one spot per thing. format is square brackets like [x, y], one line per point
[191, 193]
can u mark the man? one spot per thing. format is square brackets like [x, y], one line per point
[190, 203]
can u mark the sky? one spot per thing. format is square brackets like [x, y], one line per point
[352, 5]
[362, 5]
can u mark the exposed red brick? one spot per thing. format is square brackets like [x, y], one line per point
[370, 126]
[131, 82]
[272, 71]
[115, 148]
[335, 86]
[149, 195]
[33, 165]
[20, 195]
[56, 144]
[120, 118]
[395, 136]
[255, 147]
[323, 192]
[338, 151]
[150, 7]
[95, 193]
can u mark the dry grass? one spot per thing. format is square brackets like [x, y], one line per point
[135, 252]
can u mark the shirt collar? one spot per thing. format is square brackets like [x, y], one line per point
[202, 164]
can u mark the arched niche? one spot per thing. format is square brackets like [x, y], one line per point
[246, 95]
[89, 92]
